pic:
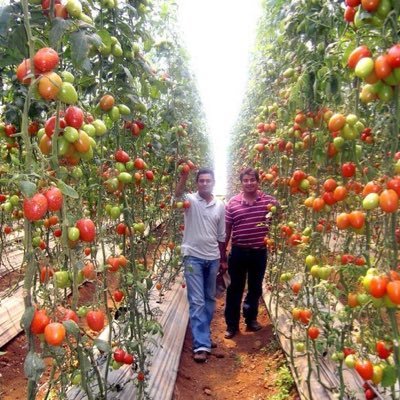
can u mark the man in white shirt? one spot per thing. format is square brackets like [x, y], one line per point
[203, 249]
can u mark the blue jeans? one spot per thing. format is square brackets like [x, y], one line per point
[201, 278]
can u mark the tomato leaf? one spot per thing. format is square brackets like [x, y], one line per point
[389, 376]
[67, 190]
[102, 345]
[80, 50]
[60, 26]
[6, 17]
[27, 318]
[27, 188]
[71, 327]
[33, 366]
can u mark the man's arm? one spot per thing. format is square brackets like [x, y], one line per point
[180, 187]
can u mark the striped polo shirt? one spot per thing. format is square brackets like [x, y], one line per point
[250, 222]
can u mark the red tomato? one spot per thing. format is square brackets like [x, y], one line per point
[46, 59]
[394, 56]
[139, 163]
[65, 314]
[39, 322]
[353, 3]
[121, 228]
[330, 185]
[299, 175]
[121, 156]
[87, 229]
[329, 198]
[377, 286]
[357, 219]
[128, 359]
[348, 169]
[343, 221]
[370, 5]
[54, 199]
[119, 355]
[389, 201]
[305, 316]
[23, 70]
[383, 349]
[296, 287]
[382, 67]
[349, 14]
[46, 273]
[394, 184]
[10, 130]
[74, 117]
[89, 271]
[118, 295]
[95, 320]
[318, 204]
[35, 207]
[149, 175]
[106, 102]
[313, 332]
[393, 291]
[365, 369]
[356, 55]
[54, 333]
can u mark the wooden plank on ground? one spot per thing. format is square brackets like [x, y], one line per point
[165, 356]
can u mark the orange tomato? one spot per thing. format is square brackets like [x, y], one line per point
[389, 201]
[340, 193]
[336, 122]
[318, 204]
[54, 333]
[49, 85]
[343, 221]
[357, 219]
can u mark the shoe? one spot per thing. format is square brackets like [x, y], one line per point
[253, 326]
[200, 356]
[230, 333]
[213, 344]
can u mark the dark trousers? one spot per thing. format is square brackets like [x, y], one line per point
[244, 263]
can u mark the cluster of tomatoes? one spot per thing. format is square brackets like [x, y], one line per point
[380, 75]
[377, 9]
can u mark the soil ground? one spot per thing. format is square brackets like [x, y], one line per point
[244, 367]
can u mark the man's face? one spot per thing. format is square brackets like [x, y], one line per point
[205, 184]
[249, 184]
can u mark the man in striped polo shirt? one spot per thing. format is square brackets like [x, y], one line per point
[247, 222]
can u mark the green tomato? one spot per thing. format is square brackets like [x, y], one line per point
[384, 8]
[67, 77]
[300, 347]
[125, 177]
[362, 298]
[88, 155]
[100, 127]
[67, 93]
[115, 212]
[62, 279]
[117, 51]
[350, 361]
[14, 200]
[62, 145]
[364, 67]
[310, 260]
[123, 109]
[89, 129]
[349, 132]
[36, 241]
[114, 114]
[73, 233]
[351, 119]
[130, 166]
[82, 311]
[7, 206]
[314, 271]
[338, 142]
[74, 8]
[120, 167]
[371, 201]
[77, 173]
[385, 93]
[76, 379]
[71, 134]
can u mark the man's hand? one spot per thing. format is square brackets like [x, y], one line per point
[223, 266]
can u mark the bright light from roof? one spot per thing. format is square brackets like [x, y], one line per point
[219, 35]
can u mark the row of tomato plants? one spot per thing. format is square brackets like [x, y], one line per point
[325, 137]
[98, 117]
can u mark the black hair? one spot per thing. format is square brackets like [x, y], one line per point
[203, 171]
[249, 171]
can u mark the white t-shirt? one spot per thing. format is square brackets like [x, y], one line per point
[204, 227]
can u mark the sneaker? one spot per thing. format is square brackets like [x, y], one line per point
[253, 326]
[200, 356]
[230, 333]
